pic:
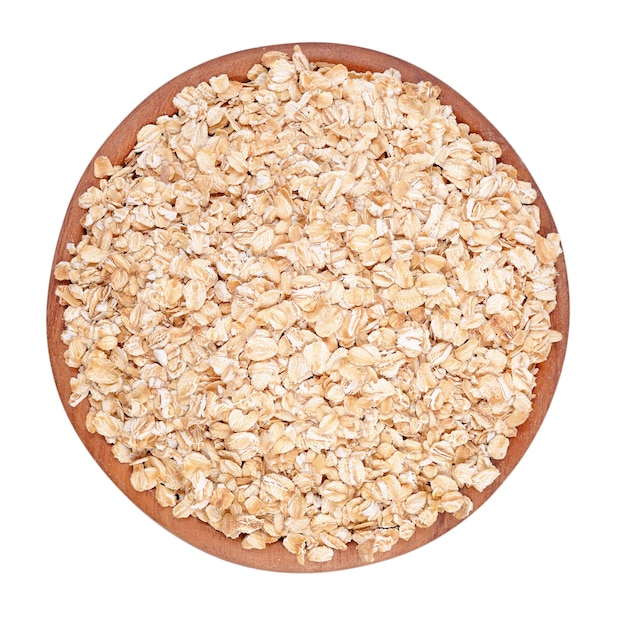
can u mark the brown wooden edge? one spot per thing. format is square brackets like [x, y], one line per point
[119, 144]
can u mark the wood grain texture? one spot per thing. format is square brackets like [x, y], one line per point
[120, 143]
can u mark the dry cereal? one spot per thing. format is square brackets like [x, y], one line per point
[308, 307]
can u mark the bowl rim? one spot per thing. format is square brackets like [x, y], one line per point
[118, 145]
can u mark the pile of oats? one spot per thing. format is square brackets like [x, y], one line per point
[309, 307]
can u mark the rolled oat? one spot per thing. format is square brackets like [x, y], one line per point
[309, 307]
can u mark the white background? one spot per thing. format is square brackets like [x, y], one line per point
[548, 547]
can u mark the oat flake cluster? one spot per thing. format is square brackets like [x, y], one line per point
[309, 307]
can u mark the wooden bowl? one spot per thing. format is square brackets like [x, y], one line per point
[119, 144]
